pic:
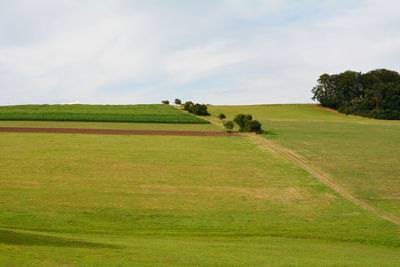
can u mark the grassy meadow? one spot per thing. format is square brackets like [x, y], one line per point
[158, 113]
[102, 200]
[360, 154]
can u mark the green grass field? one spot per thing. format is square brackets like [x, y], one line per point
[98, 200]
[359, 153]
[109, 113]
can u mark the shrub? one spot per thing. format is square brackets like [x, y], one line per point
[165, 102]
[221, 116]
[199, 109]
[187, 105]
[253, 126]
[229, 126]
[241, 120]
[178, 102]
[385, 114]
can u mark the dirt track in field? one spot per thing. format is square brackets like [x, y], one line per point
[110, 131]
[324, 178]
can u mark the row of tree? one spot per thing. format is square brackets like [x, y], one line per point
[177, 102]
[244, 121]
[189, 106]
[373, 94]
[197, 109]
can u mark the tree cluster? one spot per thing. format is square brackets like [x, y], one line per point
[197, 109]
[373, 94]
[247, 124]
[244, 121]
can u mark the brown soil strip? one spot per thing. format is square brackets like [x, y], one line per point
[324, 178]
[111, 131]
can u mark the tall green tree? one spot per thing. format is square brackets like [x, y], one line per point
[374, 94]
[241, 120]
[221, 116]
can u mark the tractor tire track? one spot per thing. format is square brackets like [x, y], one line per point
[324, 178]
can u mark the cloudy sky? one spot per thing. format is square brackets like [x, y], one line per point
[218, 52]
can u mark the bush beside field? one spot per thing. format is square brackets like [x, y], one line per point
[108, 113]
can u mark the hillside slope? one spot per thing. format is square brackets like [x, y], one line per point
[361, 154]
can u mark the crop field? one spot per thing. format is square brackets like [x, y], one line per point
[158, 113]
[102, 200]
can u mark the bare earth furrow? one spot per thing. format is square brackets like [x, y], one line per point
[111, 131]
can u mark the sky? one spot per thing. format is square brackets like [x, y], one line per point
[215, 52]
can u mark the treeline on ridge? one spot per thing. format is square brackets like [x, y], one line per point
[197, 109]
[374, 94]
[189, 106]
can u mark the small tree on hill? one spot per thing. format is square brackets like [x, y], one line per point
[165, 102]
[221, 116]
[178, 102]
[229, 126]
[241, 120]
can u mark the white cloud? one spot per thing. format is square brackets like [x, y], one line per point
[227, 52]
[201, 61]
